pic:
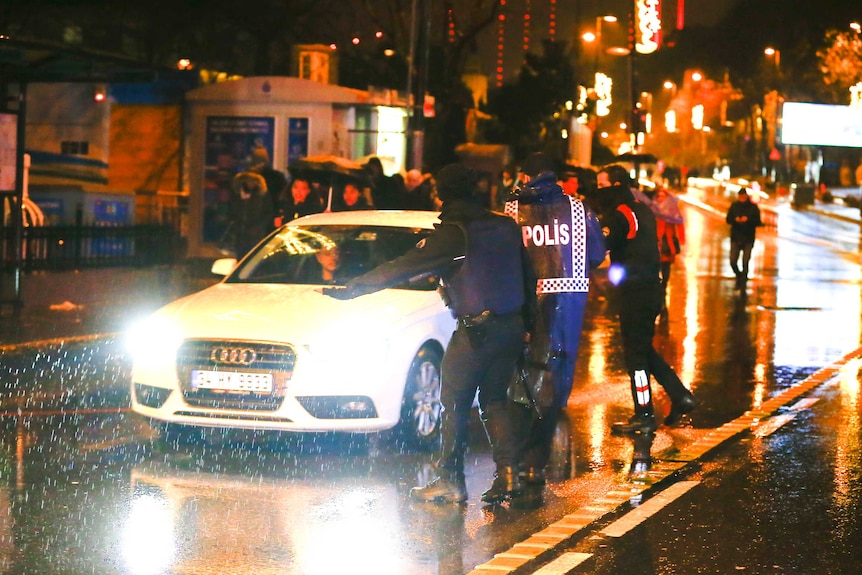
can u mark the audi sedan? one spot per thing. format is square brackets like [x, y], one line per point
[264, 349]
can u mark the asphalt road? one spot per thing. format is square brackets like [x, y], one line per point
[85, 487]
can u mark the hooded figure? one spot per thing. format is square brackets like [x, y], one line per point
[251, 214]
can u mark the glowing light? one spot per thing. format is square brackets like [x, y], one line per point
[148, 544]
[697, 117]
[670, 121]
[355, 41]
[589, 37]
[668, 85]
[378, 34]
[696, 76]
[616, 274]
[389, 52]
[647, 25]
[184, 64]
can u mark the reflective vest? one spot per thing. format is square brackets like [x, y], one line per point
[555, 235]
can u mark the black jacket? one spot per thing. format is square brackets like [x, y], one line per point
[491, 281]
[744, 218]
[630, 234]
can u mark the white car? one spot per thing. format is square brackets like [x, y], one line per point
[264, 349]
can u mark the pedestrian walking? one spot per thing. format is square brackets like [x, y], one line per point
[744, 219]
[630, 233]
[486, 282]
[670, 228]
[564, 241]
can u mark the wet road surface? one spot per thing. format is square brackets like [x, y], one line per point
[86, 488]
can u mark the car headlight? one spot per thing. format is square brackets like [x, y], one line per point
[153, 339]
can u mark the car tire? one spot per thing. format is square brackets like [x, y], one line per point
[419, 426]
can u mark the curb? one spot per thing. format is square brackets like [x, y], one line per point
[540, 545]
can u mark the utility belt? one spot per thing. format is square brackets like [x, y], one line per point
[468, 321]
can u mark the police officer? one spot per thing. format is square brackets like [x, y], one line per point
[630, 231]
[564, 242]
[480, 260]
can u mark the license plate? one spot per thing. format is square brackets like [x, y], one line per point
[235, 381]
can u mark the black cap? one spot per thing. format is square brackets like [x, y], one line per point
[455, 181]
[537, 163]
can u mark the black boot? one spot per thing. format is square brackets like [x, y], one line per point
[506, 485]
[638, 424]
[680, 408]
[444, 489]
[498, 427]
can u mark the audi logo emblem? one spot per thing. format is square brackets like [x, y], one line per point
[233, 355]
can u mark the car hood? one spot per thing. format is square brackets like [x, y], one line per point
[291, 313]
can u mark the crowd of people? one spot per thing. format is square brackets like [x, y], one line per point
[515, 261]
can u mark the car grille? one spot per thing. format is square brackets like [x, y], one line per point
[237, 357]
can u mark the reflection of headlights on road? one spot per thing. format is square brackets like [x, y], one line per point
[352, 344]
[153, 339]
[148, 536]
[616, 274]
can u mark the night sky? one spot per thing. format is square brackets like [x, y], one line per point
[574, 17]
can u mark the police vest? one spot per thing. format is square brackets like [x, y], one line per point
[491, 276]
[555, 235]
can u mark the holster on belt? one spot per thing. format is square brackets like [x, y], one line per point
[469, 321]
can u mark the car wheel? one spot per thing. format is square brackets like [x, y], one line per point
[419, 427]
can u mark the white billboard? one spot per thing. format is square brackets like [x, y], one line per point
[821, 125]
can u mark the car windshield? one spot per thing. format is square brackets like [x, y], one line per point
[327, 254]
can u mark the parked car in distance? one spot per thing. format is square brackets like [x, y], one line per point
[264, 349]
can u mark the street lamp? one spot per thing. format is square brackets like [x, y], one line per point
[597, 38]
[774, 54]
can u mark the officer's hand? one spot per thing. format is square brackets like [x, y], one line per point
[338, 293]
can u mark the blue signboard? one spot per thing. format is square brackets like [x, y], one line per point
[297, 139]
[233, 144]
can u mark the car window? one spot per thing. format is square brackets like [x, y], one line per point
[326, 254]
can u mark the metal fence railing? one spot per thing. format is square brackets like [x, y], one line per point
[73, 247]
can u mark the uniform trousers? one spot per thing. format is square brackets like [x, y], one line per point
[640, 302]
[482, 358]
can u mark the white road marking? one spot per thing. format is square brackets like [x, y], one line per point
[773, 424]
[653, 505]
[563, 564]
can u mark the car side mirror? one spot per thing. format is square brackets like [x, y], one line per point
[223, 266]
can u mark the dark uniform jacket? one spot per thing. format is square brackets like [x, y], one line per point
[476, 253]
[630, 235]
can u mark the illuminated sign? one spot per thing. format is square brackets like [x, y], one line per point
[647, 26]
[821, 125]
[604, 86]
